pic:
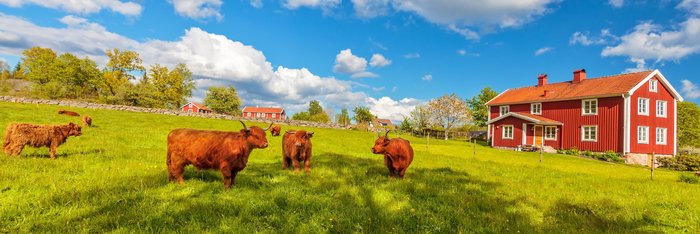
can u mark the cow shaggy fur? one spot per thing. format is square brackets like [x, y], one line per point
[68, 113]
[19, 135]
[275, 130]
[398, 154]
[296, 149]
[87, 120]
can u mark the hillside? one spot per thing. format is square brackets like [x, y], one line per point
[114, 178]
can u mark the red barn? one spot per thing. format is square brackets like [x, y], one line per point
[264, 112]
[632, 114]
[195, 107]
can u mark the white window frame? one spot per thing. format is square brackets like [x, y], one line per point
[640, 135]
[503, 132]
[646, 106]
[593, 110]
[663, 108]
[189, 110]
[653, 86]
[556, 130]
[501, 110]
[250, 114]
[583, 133]
[274, 115]
[539, 109]
[663, 138]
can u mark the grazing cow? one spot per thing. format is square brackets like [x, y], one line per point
[275, 130]
[226, 151]
[296, 148]
[19, 135]
[68, 113]
[87, 120]
[397, 152]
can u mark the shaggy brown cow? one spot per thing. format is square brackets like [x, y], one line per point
[398, 154]
[87, 120]
[19, 135]
[68, 113]
[275, 130]
[296, 148]
[226, 151]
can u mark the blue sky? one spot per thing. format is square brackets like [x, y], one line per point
[387, 54]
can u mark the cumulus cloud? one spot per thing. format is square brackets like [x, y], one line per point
[128, 8]
[584, 38]
[651, 42]
[379, 60]
[427, 77]
[690, 90]
[388, 108]
[322, 4]
[691, 6]
[199, 9]
[616, 3]
[412, 56]
[256, 3]
[348, 63]
[543, 50]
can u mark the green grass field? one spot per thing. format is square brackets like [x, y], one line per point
[114, 178]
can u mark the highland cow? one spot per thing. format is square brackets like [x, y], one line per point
[68, 113]
[19, 135]
[87, 120]
[275, 130]
[398, 154]
[296, 148]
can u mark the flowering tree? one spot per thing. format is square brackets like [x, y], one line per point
[448, 111]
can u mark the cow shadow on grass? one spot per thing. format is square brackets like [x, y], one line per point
[44, 153]
[342, 194]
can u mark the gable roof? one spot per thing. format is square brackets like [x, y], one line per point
[198, 105]
[592, 87]
[263, 109]
[384, 121]
[529, 117]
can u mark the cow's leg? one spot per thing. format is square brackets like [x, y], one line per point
[226, 173]
[296, 164]
[175, 170]
[402, 172]
[52, 150]
[307, 165]
[389, 165]
[285, 163]
[233, 176]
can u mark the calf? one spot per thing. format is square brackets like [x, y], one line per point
[296, 148]
[398, 154]
[19, 135]
[87, 120]
[225, 151]
[68, 113]
[275, 130]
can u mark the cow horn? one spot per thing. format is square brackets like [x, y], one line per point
[387, 134]
[290, 132]
[268, 127]
[244, 127]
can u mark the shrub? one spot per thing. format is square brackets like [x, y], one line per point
[689, 178]
[681, 163]
[589, 154]
[573, 151]
[610, 156]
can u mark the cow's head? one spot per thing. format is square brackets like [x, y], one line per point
[301, 137]
[381, 143]
[275, 130]
[255, 135]
[72, 130]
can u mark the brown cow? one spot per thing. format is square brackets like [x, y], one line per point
[68, 113]
[226, 151]
[296, 148]
[275, 130]
[87, 120]
[398, 154]
[19, 135]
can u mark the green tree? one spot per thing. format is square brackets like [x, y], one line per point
[5, 71]
[79, 76]
[688, 124]
[41, 65]
[477, 106]
[343, 117]
[448, 111]
[223, 100]
[320, 117]
[172, 88]
[120, 68]
[405, 124]
[315, 107]
[301, 116]
[362, 114]
[419, 117]
[18, 72]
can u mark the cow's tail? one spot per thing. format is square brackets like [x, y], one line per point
[8, 134]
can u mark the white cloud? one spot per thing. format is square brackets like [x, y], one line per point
[543, 50]
[379, 60]
[462, 52]
[585, 39]
[198, 9]
[348, 63]
[128, 8]
[641, 66]
[387, 108]
[650, 41]
[412, 56]
[692, 6]
[322, 4]
[377, 89]
[690, 90]
[256, 3]
[616, 3]
[427, 77]
[370, 8]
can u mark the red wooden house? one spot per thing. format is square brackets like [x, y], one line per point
[264, 112]
[195, 107]
[631, 114]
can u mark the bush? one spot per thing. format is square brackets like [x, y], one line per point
[681, 163]
[689, 178]
[610, 156]
[589, 154]
[573, 151]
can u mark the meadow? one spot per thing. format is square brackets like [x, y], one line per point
[113, 178]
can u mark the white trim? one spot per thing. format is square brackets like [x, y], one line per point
[503, 132]
[534, 134]
[564, 99]
[639, 99]
[664, 82]
[500, 110]
[665, 109]
[583, 129]
[556, 131]
[646, 140]
[524, 134]
[655, 86]
[626, 124]
[492, 139]
[583, 107]
[488, 125]
[532, 108]
[675, 127]
[665, 136]
[504, 91]
[516, 115]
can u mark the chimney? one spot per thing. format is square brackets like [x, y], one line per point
[545, 93]
[541, 80]
[579, 75]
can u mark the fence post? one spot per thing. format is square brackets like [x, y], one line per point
[541, 149]
[653, 160]
[474, 143]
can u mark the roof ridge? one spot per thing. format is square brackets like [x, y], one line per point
[595, 78]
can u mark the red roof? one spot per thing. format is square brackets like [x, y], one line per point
[198, 105]
[591, 87]
[263, 109]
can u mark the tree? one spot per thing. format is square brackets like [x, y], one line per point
[343, 118]
[223, 100]
[120, 67]
[419, 117]
[405, 124]
[688, 124]
[315, 107]
[301, 116]
[4, 71]
[18, 72]
[172, 87]
[79, 76]
[477, 106]
[41, 65]
[362, 114]
[448, 111]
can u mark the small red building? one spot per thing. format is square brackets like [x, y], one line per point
[630, 114]
[195, 107]
[264, 112]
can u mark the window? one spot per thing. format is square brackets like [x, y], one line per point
[661, 109]
[590, 107]
[257, 115]
[249, 114]
[189, 110]
[507, 131]
[550, 133]
[660, 136]
[504, 110]
[274, 115]
[643, 106]
[643, 135]
[652, 85]
[536, 108]
[589, 133]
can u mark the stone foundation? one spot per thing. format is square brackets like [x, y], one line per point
[644, 159]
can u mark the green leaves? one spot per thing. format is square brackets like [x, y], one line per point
[223, 100]
[688, 124]
[477, 106]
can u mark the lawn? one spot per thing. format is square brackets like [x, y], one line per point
[114, 178]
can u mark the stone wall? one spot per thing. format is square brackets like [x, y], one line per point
[70, 103]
